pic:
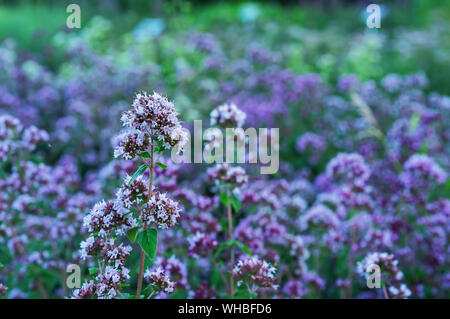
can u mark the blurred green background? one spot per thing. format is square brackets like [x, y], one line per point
[33, 24]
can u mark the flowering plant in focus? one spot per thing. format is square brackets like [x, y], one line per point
[138, 210]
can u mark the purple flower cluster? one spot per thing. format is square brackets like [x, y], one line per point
[228, 175]
[254, 273]
[160, 211]
[389, 271]
[112, 219]
[201, 245]
[363, 169]
[104, 223]
[420, 171]
[159, 281]
[40, 207]
[14, 137]
[227, 115]
[105, 220]
[174, 269]
[202, 292]
[153, 119]
[349, 168]
[3, 290]
[312, 143]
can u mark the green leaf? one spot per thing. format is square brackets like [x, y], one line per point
[93, 270]
[244, 248]
[5, 255]
[221, 247]
[145, 155]
[423, 148]
[49, 278]
[160, 147]
[243, 293]
[236, 203]
[351, 213]
[215, 278]
[132, 234]
[224, 198]
[446, 189]
[148, 239]
[148, 262]
[139, 171]
[126, 215]
[163, 166]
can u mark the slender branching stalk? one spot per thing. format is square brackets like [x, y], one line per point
[368, 115]
[214, 262]
[150, 164]
[230, 237]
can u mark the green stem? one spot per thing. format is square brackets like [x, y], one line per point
[225, 281]
[230, 237]
[142, 259]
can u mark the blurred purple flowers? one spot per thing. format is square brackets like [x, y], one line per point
[357, 185]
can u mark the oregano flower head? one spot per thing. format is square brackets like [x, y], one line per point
[152, 119]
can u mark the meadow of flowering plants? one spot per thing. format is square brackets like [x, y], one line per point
[93, 204]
